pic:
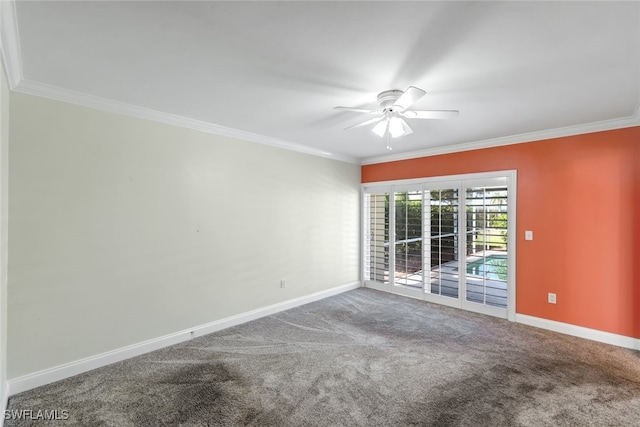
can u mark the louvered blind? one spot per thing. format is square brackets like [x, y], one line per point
[376, 257]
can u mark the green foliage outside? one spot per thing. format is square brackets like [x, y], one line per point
[491, 226]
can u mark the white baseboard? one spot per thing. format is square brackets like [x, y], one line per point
[580, 331]
[57, 373]
[538, 322]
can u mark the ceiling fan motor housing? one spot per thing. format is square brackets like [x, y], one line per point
[388, 98]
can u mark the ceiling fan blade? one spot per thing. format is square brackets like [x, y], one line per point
[357, 110]
[411, 95]
[431, 114]
[368, 122]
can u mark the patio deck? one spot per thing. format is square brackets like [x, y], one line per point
[444, 281]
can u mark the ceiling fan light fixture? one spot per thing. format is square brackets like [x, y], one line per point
[395, 127]
[406, 128]
[380, 128]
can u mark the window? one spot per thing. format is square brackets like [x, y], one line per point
[452, 240]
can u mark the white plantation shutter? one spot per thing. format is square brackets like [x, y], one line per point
[376, 233]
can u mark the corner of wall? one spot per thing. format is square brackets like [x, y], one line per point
[4, 164]
[10, 43]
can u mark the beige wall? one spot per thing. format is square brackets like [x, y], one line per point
[4, 146]
[123, 230]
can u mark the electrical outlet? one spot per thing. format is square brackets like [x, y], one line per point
[528, 235]
[283, 283]
[551, 298]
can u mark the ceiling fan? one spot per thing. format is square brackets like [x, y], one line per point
[393, 110]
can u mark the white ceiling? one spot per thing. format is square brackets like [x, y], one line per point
[276, 69]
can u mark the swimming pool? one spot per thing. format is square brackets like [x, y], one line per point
[492, 267]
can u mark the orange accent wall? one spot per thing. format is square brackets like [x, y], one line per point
[581, 197]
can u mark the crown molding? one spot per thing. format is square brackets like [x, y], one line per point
[10, 42]
[85, 100]
[12, 59]
[604, 125]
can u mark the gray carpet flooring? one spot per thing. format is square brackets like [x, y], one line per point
[362, 358]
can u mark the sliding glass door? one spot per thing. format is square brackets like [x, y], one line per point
[441, 252]
[448, 241]
[486, 257]
[408, 238]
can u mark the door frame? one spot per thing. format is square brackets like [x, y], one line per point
[458, 180]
